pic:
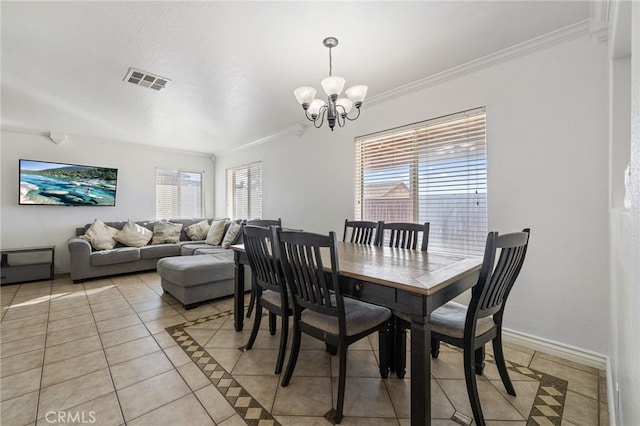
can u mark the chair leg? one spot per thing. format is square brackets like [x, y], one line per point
[502, 367]
[293, 356]
[283, 343]
[272, 323]
[252, 301]
[472, 386]
[480, 360]
[435, 348]
[342, 375]
[400, 348]
[256, 327]
[385, 348]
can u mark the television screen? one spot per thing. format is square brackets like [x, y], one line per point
[56, 184]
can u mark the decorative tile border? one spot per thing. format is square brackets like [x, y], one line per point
[547, 408]
[245, 405]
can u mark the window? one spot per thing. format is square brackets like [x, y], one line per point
[178, 194]
[434, 171]
[244, 191]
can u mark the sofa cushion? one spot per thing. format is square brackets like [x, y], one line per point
[189, 249]
[111, 257]
[159, 250]
[166, 232]
[133, 235]
[188, 271]
[100, 236]
[216, 232]
[233, 232]
[198, 231]
[215, 250]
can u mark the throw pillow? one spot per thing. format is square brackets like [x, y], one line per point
[232, 234]
[166, 232]
[198, 231]
[100, 235]
[216, 232]
[134, 235]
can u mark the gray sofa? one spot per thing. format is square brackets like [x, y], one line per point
[88, 263]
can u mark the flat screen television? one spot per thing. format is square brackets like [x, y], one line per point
[57, 184]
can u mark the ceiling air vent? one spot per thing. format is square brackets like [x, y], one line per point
[145, 79]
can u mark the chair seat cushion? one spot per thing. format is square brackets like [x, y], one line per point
[272, 297]
[359, 315]
[449, 320]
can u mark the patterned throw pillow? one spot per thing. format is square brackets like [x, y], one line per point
[198, 231]
[166, 232]
[134, 235]
[100, 235]
[216, 232]
[232, 234]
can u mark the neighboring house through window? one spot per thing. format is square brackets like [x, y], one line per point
[179, 194]
[434, 171]
[244, 191]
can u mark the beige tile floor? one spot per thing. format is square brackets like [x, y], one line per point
[99, 353]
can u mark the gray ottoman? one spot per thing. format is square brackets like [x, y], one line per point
[194, 279]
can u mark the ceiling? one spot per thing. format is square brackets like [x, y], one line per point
[233, 66]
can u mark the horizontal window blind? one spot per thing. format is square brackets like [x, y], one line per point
[244, 191]
[178, 194]
[434, 171]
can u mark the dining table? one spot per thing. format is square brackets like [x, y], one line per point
[411, 282]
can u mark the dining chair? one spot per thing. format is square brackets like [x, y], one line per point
[393, 336]
[319, 309]
[361, 231]
[404, 235]
[470, 328]
[270, 290]
[264, 223]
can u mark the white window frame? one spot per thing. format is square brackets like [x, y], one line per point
[244, 191]
[178, 197]
[433, 171]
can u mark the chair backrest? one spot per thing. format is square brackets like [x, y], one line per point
[265, 222]
[497, 278]
[404, 235]
[361, 231]
[259, 244]
[310, 285]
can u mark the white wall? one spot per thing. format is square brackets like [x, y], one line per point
[625, 237]
[25, 226]
[547, 169]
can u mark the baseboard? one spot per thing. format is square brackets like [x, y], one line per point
[551, 347]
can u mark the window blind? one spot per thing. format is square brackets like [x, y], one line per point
[244, 191]
[434, 171]
[178, 194]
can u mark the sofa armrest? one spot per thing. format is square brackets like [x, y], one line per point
[79, 256]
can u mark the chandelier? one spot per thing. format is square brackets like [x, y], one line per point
[335, 109]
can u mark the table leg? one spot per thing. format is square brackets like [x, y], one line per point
[238, 296]
[420, 374]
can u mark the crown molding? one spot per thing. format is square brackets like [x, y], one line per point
[69, 136]
[560, 36]
[579, 29]
[599, 22]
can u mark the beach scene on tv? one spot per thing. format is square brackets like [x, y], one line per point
[66, 184]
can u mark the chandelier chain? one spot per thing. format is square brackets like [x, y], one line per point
[330, 63]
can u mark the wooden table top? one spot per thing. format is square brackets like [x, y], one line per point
[414, 271]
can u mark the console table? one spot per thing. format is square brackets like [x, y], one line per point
[27, 264]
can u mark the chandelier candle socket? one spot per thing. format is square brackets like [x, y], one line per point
[335, 109]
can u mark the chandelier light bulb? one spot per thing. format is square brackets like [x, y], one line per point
[305, 94]
[333, 85]
[346, 105]
[357, 94]
[314, 107]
